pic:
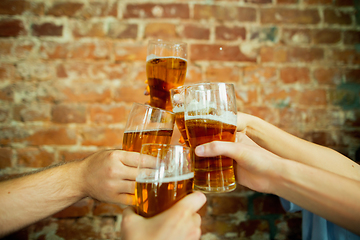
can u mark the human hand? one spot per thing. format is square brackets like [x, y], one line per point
[180, 222]
[255, 166]
[243, 121]
[110, 175]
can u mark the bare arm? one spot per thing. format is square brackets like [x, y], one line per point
[291, 147]
[107, 176]
[324, 193]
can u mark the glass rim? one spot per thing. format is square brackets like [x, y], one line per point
[167, 41]
[165, 145]
[149, 106]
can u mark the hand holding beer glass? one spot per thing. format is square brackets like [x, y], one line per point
[210, 115]
[166, 65]
[164, 177]
[147, 124]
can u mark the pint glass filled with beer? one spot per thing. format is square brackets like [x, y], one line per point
[178, 100]
[210, 115]
[147, 124]
[166, 65]
[164, 177]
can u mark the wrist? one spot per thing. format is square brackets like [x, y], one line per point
[75, 174]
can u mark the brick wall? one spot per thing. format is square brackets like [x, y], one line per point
[70, 70]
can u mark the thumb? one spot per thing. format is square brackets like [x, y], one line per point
[217, 148]
[192, 202]
[129, 212]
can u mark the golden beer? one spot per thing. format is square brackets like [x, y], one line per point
[154, 196]
[164, 73]
[133, 140]
[180, 123]
[211, 173]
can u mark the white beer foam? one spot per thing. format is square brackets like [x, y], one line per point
[153, 56]
[227, 117]
[166, 179]
[177, 109]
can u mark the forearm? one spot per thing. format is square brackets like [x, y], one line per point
[334, 197]
[31, 198]
[291, 147]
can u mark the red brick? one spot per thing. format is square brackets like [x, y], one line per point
[110, 71]
[196, 32]
[318, 2]
[41, 71]
[313, 97]
[68, 9]
[267, 204]
[122, 30]
[11, 7]
[5, 157]
[280, 97]
[160, 30]
[9, 135]
[105, 114]
[68, 156]
[224, 13]
[46, 29]
[328, 76]
[206, 52]
[31, 112]
[344, 3]
[259, 75]
[289, 16]
[7, 71]
[287, 1]
[85, 92]
[77, 71]
[259, 1]
[6, 48]
[346, 56]
[295, 54]
[87, 29]
[4, 114]
[353, 119]
[247, 95]
[107, 209]
[222, 74]
[352, 75]
[193, 74]
[326, 36]
[68, 113]
[102, 136]
[98, 9]
[133, 52]
[78, 209]
[149, 10]
[12, 28]
[289, 116]
[24, 48]
[351, 37]
[250, 227]
[296, 36]
[131, 94]
[7, 93]
[332, 16]
[222, 205]
[295, 75]
[34, 157]
[90, 50]
[52, 136]
[54, 50]
[227, 33]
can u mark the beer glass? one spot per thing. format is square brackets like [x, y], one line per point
[210, 115]
[146, 124]
[177, 99]
[165, 176]
[166, 65]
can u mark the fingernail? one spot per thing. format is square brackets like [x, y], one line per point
[199, 150]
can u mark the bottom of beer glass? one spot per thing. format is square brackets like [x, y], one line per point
[223, 189]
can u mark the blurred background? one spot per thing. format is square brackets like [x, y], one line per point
[71, 69]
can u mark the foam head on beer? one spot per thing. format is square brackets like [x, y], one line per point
[165, 175]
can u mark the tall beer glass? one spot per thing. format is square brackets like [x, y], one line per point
[210, 115]
[166, 65]
[178, 101]
[164, 177]
[147, 124]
